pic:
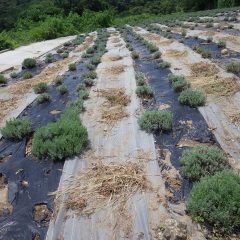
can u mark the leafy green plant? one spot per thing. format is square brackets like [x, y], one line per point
[192, 98]
[58, 80]
[62, 89]
[44, 97]
[154, 120]
[16, 129]
[233, 67]
[27, 75]
[144, 91]
[72, 67]
[40, 88]
[3, 80]
[65, 138]
[29, 63]
[164, 65]
[201, 161]
[216, 200]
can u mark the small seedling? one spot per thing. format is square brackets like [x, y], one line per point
[29, 63]
[40, 88]
[27, 75]
[44, 97]
[16, 129]
[72, 67]
[62, 89]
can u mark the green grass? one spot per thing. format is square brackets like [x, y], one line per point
[216, 201]
[40, 88]
[192, 98]
[153, 120]
[65, 138]
[29, 63]
[203, 161]
[16, 129]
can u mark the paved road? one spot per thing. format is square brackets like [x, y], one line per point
[16, 56]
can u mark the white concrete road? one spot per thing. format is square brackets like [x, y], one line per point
[15, 57]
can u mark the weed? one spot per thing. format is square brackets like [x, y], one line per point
[72, 67]
[3, 80]
[215, 200]
[27, 75]
[44, 97]
[156, 120]
[62, 89]
[233, 67]
[65, 138]
[40, 88]
[29, 63]
[58, 80]
[16, 129]
[202, 161]
[192, 98]
[144, 91]
[164, 64]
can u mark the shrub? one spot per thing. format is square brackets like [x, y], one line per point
[83, 94]
[135, 55]
[152, 47]
[72, 67]
[3, 80]
[90, 66]
[209, 25]
[13, 75]
[165, 64]
[221, 44]
[95, 60]
[91, 74]
[88, 82]
[29, 63]
[62, 89]
[180, 85]
[27, 75]
[44, 97]
[81, 86]
[130, 48]
[60, 51]
[202, 161]
[233, 67]
[16, 129]
[58, 80]
[192, 98]
[49, 58]
[157, 55]
[65, 55]
[216, 200]
[155, 120]
[175, 78]
[144, 92]
[209, 39]
[140, 77]
[65, 138]
[40, 88]
[184, 33]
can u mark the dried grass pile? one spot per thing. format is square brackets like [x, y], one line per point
[115, 40]
[102, 186]
[115, 58]
[203, 69]
[116, 70]
[235, 118]
[166, 42]
[176, 53]
[152, 36]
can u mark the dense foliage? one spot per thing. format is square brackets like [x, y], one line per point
[25, 21]
[216, 200]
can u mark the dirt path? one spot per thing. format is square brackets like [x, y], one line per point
[219, 109]
[17, 96]
[119, 142]
[15, 57]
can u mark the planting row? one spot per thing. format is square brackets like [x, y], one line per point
[181, 127]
